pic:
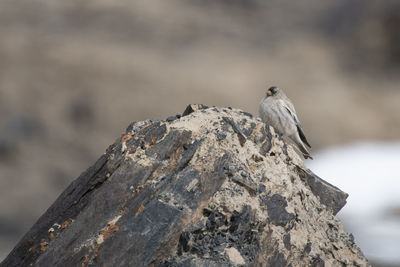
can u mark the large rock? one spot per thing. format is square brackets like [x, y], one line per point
[215, 187]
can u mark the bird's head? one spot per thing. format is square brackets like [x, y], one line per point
[272, 91]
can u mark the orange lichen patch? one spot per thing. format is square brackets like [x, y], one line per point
[122, 212]
[130, 148]
[138, 188]
[153, 140]
[51, 233]
[112, 228]
[65, 225]
[43, 245]
[103, 235]
[85, 260]
[125, 138]
[140, 209]
[96, 249]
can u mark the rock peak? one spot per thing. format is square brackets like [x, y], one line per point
[214, 186]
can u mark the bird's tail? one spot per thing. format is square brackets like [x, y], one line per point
[301, 146]
[304, 151]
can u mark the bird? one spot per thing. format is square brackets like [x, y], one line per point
[277, 110]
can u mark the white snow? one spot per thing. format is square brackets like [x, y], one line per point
[370, 173]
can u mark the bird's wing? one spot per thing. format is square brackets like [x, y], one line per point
[290, 109]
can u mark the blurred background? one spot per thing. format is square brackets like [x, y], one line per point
[74, 74]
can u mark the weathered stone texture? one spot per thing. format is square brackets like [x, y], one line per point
[215, 187]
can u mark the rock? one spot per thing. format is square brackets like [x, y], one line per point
[171, 118]
[234, 256]
[276, 207]
[174, 193]
[192, 108]
[221, 135]
[328, 194]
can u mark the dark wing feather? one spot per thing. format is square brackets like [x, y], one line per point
[299, 129]
[302, 135]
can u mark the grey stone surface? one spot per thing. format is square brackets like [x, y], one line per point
[328, 194]
[173, 193]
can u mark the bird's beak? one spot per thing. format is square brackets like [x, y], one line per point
[269, 93]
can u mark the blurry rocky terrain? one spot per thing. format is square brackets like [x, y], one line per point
[74, 73]
[213, 187]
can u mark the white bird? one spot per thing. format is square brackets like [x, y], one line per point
[277, 110]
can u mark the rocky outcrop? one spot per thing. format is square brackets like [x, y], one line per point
[215, 187]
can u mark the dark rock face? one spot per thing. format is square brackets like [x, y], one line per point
[329, 195]
[192, 108]
[215, 187]
[276, 210]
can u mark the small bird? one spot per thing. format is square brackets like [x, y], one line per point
[277, 110]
